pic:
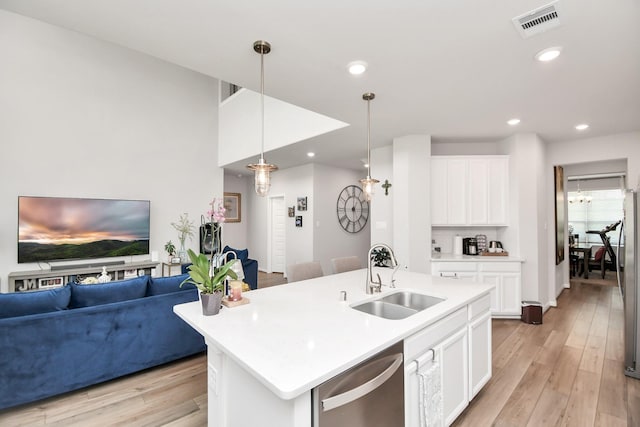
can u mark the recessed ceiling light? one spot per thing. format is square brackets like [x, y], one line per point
[366, 165]
[311, 154]
[582, 126]
[548, 54]
[357, 67]
[513, 122]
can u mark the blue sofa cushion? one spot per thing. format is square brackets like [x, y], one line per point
[166, 285]
[243, 254]
[25, 303]
[106, 293]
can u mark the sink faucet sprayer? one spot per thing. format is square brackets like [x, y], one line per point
[373, 285]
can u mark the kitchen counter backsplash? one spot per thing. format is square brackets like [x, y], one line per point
[444, 236]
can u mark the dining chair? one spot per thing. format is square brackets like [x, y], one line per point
[303, 271]
[347, 263]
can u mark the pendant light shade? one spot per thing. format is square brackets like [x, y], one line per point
[262, 169]
[368, 183]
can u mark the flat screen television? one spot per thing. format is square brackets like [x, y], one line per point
[59, 228]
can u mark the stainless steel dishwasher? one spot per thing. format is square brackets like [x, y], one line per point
[370, 394]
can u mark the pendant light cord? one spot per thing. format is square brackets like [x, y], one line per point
[369, 138]
[262, 103]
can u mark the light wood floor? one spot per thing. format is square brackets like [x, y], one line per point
[567, 371]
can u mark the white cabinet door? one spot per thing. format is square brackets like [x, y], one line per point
[497, 191]
[496, 293]
[454, 359]
[478, 192]
[469, 190]
[439, 191]
[511, 294]
[456, 192]
[479, 353]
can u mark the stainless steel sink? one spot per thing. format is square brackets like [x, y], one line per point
[398, 305]
[385, 309]
[412, 300]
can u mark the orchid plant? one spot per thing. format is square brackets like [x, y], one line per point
[216, 213]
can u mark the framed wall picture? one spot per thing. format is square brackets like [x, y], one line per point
[292, 211]
[302, 203]
[299, 221]
[233, 207]
[560, 213]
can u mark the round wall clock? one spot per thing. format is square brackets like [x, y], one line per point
[352, 209]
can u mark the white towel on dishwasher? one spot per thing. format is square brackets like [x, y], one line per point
[430, 383]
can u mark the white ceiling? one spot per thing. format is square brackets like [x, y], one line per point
[454, 69]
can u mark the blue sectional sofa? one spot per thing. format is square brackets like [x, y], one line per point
[63, 339]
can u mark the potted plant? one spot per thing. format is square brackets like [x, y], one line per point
[170, 248]
[381, 257]
[210, 282]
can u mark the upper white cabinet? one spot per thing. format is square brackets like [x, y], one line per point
[469, 190]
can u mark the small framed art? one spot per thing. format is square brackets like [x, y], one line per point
[233, 207]
[302, 203]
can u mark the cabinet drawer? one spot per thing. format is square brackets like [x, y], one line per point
[480, 306]
[499, 266]
[454, 266]
[422, 341]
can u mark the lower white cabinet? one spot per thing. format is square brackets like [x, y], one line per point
[454, 356]
[506, 298]
[454, 360]
[479, 353]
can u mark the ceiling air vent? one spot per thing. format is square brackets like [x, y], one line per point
[538, 20]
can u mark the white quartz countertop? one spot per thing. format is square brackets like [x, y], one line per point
[473, 258]
[294, 337]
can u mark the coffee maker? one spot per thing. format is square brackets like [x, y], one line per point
[470, 246]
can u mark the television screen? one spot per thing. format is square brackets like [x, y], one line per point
[57, 228]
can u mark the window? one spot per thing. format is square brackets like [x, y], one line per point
[605, 208]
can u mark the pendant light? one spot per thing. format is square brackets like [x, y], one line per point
[368, 183]
[262, 169]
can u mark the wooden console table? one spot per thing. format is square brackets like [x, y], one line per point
[22, 281]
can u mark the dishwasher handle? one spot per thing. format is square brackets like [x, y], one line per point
[366, 388]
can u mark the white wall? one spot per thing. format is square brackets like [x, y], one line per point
[320, 238]
[234, 234]
[84, 118]
[382, 206]
[330, 240]
[411, 205]
[526, 223]
[613, 147]
[290, 183]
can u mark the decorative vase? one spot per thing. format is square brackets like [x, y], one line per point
[211, 303]
[182, 253]
[217, 238]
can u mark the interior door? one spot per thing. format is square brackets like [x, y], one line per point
[278, 241]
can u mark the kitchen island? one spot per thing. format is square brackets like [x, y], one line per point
[264, 358]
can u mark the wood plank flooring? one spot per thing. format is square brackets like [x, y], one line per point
[565, 372]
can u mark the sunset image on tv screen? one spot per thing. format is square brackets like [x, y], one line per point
[55, 228]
